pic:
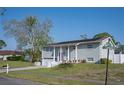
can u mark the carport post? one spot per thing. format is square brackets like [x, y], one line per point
[54, 54]
[68, 53]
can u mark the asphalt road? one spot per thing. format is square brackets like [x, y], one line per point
[14, 81]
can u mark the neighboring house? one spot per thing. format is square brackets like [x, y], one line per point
[90, 50]
[7, 53]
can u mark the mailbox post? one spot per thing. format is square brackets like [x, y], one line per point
[7, 68]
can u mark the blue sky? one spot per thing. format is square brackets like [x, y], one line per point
[70, 23]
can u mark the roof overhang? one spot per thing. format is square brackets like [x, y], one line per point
[72, 44]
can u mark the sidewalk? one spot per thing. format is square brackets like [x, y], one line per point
[21, 68]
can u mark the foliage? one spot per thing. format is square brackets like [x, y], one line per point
[104, 34]
[83, 61]
[84, 36]
[120, 49]
[65, 65]
[30, 34]
[2, 44]
[104, 61]
[15, 58]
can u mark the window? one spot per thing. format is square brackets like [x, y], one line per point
[89, 46]
[90, 59]
[48, 49]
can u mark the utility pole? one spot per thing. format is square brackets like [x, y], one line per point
[106, 75]
[107, 46]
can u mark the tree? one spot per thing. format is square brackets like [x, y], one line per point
[30, 34]
[119, 49]
[2, 12]
[104, 34]
[2, 44]
[84, 36]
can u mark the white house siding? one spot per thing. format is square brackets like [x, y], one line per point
[84, 53]
[103, 52]
[72, 52]
[47, 53]
[118, 59]
[49, 63]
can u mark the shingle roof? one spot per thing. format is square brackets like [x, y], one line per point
[78, 41]
[10, 52]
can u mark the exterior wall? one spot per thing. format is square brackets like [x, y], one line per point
[47, 53]
[72, 52]
[84, 53]
[64, 54]
[47, 57]
[49, 63]
[118, 59]
[103, 52]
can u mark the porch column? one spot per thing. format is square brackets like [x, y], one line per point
[60, 54]
[54, 54]
[68, 53]
[120, 58]
[76, 52]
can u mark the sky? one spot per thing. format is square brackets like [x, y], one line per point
[70, 23]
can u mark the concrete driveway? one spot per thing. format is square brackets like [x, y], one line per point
[14, 81]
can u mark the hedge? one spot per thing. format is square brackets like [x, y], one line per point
[65, 65]
[15, 58]
[104, 61]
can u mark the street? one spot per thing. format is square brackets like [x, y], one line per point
[14, 81]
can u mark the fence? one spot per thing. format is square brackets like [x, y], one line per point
[118, 58]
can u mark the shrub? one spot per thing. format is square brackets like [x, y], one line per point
[83, 61]
[15, 58]
[65, 65]
[104, 61]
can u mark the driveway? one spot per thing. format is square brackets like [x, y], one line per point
[14, 81]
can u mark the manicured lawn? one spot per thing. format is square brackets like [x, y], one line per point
[14, 64]
[78, 74]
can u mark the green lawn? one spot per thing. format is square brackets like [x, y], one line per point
[74, 75]
[14, 64]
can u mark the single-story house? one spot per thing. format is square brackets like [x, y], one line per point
[90, 50]
[7, 53]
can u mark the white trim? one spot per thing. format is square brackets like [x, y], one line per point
[111, 41]
[76, 52]
[60, 54]
[54, 54]
[68, 53]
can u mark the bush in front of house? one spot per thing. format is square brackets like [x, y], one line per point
[104, 61]
[65, 65]
[83, 61]
[15, 58]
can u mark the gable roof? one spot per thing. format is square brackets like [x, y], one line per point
[93, 40]
[10, 52]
